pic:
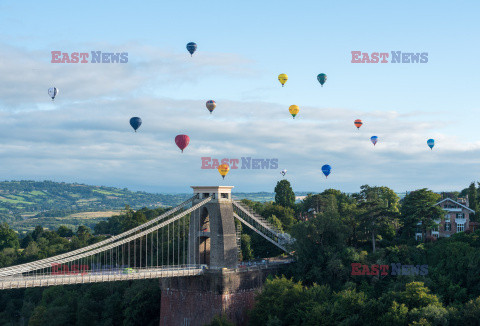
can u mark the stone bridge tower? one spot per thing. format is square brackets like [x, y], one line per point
[212, 236]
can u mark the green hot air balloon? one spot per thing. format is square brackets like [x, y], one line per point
[322, 78]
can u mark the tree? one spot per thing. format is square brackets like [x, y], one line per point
[284, 214]
[8, 237]
[472, 199]
[83, 233]
[279, 299]
[246, 245]
[220, 321]
[375, 216]
[37, 233]
[378, 210]
[418, 207]
[284, 195]
[64, 231]
[320, 249]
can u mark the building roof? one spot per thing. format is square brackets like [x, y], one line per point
[456, 203]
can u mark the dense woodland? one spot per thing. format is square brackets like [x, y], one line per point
[332, 230]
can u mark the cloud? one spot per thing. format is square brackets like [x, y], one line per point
[84, 136]
[26, 75]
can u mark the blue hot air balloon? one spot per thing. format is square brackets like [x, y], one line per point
[135, 122]
[326, 170]
[192, 47]
[374, 140]
[431, 143]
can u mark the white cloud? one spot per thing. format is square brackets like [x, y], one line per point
[84, 136]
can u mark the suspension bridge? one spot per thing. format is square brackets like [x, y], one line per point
[198, 236]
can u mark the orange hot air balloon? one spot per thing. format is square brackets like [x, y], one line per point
[358, 123]
[223, 169]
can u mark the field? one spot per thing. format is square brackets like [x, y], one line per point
[88, 219]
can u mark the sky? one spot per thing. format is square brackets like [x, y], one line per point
[84, 135]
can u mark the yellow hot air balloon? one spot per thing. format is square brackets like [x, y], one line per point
[223, 169]
[294, 109]
[282, 78]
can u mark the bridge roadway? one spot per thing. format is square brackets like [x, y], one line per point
[16, 282]
[38, 280]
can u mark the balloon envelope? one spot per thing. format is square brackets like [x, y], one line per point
[374, 140]
[322, 78]
[431, 143]
[191, 47]
[282, 78]
[182, 141]
[223, 170]
[358, 123]
[293, 109]
[135, 122]
[211, 105]
[326, 169]
[52, 92]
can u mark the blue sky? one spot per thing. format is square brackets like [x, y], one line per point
[84, 136]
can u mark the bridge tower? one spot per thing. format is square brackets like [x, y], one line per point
[212, 236]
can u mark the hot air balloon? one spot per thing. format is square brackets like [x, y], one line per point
[374, 140]
[52, 92]
[135, 122]
[326, 170]
[358, 123]
[282, 78]
[211, 105]
[182, 141]
[223, 169]
[322, 78]
[192, 47]
[284, 171]
[431, 143]
[293, 110]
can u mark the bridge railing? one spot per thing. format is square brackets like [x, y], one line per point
[260, 225]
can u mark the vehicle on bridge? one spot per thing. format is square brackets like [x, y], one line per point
[129, 270]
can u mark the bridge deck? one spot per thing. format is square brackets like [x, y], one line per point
[50, 280]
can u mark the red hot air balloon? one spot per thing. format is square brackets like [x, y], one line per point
[182, 141]
[358, 123]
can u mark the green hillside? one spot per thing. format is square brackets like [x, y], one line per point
[23, 203]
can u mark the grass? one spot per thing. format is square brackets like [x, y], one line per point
[88, 215]
[72, 221]
[38, 193]
[15, 201]
[108, 193]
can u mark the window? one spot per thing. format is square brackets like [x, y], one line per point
[224, 195]
[435, 235]
[460, 227]
[448, 226]
[418, 237]
[435, 228]
[206, 194]
[459, 215]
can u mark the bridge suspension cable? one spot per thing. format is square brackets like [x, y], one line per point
[25, 267]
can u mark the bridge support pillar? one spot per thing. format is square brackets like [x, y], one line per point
[212, 235]
[195, 300]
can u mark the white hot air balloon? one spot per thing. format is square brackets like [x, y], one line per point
[52, 92]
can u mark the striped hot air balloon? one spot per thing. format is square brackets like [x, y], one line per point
[358, 123]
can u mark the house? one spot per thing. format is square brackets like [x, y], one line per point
[456, 219]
